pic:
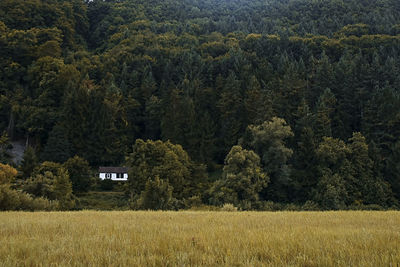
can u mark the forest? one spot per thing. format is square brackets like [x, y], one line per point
[258, 104]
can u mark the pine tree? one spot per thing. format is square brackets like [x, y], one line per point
[231, 111]
[324, 113]
[5, 145]
[58, 148]
[29, 162]
[304, 157]
[79, 173]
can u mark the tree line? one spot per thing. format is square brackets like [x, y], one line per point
[242, 102]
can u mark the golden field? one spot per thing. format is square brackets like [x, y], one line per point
[191, 238]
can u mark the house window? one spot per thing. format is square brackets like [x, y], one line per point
[108, 175]
[120, 175]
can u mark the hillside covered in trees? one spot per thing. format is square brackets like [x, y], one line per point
[249, 102]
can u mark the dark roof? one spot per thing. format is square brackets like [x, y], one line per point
[113, 169]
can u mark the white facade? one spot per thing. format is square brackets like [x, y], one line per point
[114, 176]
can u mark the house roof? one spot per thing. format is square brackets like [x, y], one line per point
[113, 169]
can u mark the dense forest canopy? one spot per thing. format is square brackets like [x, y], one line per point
[298, 97]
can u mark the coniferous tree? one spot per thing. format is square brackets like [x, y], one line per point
[79, 173]
[304, 157]
[58, 148]
[324, 113]
[29, 162]
[231, 109]
[5, 145]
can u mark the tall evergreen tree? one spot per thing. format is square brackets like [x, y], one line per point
[231, 109]
[29, 162]
[58, 148]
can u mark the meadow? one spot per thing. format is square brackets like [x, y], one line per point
[193, 238]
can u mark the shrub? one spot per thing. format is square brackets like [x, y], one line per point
[106, 185]
[310, 205]
[365, 207]
[292, 207]
[270, 206]
[7, 174]
[32, 204]
[15, 200]
[9, 199]
[204, 208]
[157, 195]
[194, 201]
[52, 182]
[228, 207]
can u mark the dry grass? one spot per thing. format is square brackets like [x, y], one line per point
[92, 238]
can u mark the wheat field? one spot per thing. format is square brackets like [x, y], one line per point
[191, 238]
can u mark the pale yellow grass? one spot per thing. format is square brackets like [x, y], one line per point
[92, 238]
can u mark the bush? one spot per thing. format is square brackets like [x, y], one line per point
[53, 186]
[156, 196]
[228, 207]
[310, 206]
[7, 174]
[270, 206]
[32, 204]
[15, 200]
[204, 208]
[291, 207]
[194, 201]
[102, 201]
[9, 199]
[106, 185]
[365, 207]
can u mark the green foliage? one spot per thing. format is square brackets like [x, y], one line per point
[106, 184]
[57, 148]
[228, 207]
[89, 78]
[157, 195]
[11, 199]
[41, 185]
[79, 173]
[51, 181]
[325, 108]
[15, 200]
[347, 175]
[231, 110]
[47, 166]
[102, 201]
[242, 179]
[29, 162]
[268, 141]
[165, 160]
[63, 190]
[4, 147]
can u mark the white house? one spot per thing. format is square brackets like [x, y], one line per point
[113, 173]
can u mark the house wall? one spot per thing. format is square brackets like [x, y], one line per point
[103, 176]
